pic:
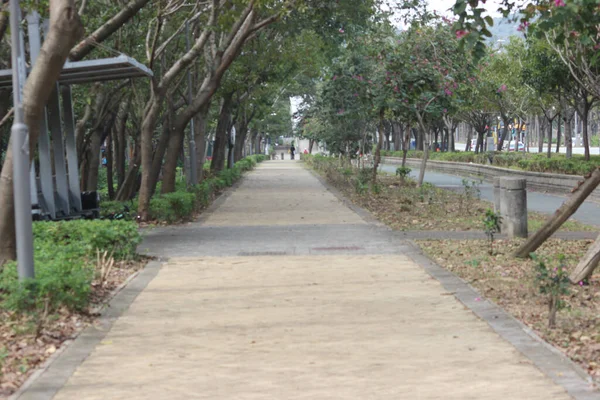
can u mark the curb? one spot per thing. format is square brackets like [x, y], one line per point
[363, 213]
[54, 374]
[547, 358]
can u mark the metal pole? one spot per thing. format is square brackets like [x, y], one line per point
[20, 149]
[192, 140]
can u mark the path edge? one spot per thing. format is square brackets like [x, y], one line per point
[46, 381]
[544, 356]
[363, 213]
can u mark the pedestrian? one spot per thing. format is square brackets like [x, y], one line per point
[292, 151]
[305, 151]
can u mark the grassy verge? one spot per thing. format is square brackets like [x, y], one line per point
[185, 202]
[401, 205]
[78, 265]
[558, 164]
[513, 284]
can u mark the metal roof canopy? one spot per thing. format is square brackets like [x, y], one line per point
[89, 71]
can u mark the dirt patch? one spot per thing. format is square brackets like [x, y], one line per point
[27, 341]
[403, 206]
[510, 283]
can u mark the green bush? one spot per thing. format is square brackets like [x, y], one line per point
[558, 164]
[172, 207]
[65, 253]
[117, 237]
[181, 204]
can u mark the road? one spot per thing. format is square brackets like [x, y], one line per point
[534, 149]
[588, 213]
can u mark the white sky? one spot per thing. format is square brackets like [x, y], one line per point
[442, 6]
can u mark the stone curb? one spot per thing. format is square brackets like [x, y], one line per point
[48, 380]
[362, 213]
[538, 181]
[549, 360]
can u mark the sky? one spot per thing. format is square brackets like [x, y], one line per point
[442, 6]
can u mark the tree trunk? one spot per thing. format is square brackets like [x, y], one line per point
[549, 154]
[424, 159]
[127, 189]
[64, 30]
[311, 143]
[159, 154]
[568, 137]
[569, 207]
[469, 139]
[406, 145]
[147, 132]
[377, 158]
[240, 140]
[584, 127]
[121, 141]
[586, 266]
[218, 161]
[200, 138]
[170, 166]
[558, 134]
[109, 167]
[540, 138]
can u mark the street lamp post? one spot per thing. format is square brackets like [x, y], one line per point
[20, 150]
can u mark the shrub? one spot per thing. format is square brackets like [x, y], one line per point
[172, 207]
[117, 237]
[65, 253]
[554, 283]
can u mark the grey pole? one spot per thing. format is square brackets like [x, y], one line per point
[20, 149]
[191, 139]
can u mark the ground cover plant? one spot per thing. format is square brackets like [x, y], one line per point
[400, 204]
[534, 291]
[78, 265]
[185, 202]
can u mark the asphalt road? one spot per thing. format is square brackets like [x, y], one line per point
[588, 213]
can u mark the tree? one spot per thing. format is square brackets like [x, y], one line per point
[65, 29]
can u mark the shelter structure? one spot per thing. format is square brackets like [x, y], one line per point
[54, 178]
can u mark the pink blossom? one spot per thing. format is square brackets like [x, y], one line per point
[341, 111]
[559, 3]
[461, 34]
[581, 283]
[502, 89]
[448, 92]
[523, 26]
[341, 30]
[335, 77]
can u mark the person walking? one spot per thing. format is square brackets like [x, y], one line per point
[292, 151]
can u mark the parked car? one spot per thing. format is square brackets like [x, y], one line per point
[512, 146]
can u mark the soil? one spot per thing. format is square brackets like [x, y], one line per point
[403, 206]
[510, 283]
[25, 342]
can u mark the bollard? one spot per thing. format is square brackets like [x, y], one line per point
[513, 207]
[282, 154]
[497, 194]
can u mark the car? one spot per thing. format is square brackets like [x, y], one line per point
[511, 146]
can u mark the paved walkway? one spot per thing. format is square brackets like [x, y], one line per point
[347, 313]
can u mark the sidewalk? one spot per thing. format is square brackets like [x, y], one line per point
[283, 292]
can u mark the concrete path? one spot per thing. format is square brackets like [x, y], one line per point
[588, 213]
[284, 292]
